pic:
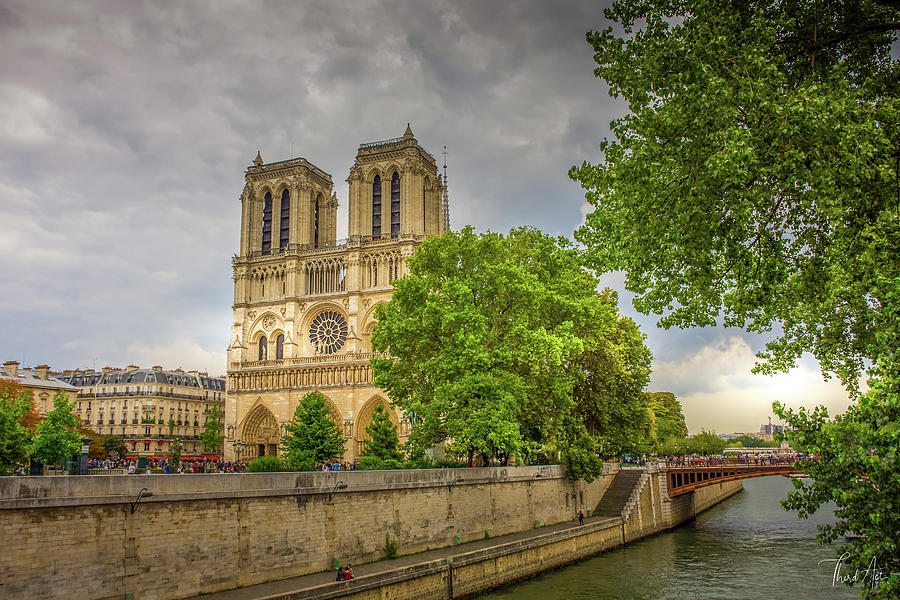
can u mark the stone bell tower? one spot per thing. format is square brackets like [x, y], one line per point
[304, 302]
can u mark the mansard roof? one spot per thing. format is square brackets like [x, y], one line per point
[117, 376]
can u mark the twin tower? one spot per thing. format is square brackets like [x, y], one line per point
[304, 301]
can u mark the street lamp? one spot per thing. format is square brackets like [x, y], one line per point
[340, 485]
[238, 446]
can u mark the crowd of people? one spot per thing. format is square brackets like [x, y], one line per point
[339, 466]
[161, 465]
[739, 459]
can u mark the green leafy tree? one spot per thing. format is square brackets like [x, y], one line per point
[312, 436]
[383, 444]
[670, 420]
[113, 446]
[756, 174]
[212, 439]
[858, 466]
[706, 443]
[485, 336]
[745, 441]
[14, 437]
[754, 183]
[175, 447]
[56, 437]
[610, 400]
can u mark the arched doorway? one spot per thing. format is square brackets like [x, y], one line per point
[260, 433]
[365, 419]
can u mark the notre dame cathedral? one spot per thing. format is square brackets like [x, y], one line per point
[304, 301]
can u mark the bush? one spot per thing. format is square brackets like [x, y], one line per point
[390, 548]
[267, 464]
[446, 463]
[417, 463]
[369, 463]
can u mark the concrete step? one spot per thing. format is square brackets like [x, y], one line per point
[616, 497]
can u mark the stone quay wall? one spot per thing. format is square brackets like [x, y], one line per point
[649, 511]
[99, 537]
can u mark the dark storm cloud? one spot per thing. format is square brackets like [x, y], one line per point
[126, 129]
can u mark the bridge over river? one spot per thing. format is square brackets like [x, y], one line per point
[681, 480]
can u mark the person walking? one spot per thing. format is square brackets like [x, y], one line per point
[580, 518]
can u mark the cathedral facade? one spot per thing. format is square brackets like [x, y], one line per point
[304, 301]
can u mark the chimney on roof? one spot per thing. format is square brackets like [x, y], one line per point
[204, 374]
[179, 370]
[157, 367]
[43, 371]
[132, 368]
[106, 370]
[12, 368]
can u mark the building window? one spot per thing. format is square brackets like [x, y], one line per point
[262, 348]
[376, 207]
[316, 224]
[267, 224]
[147, 446]
[285, 219]
[279, 347]
[395, 205]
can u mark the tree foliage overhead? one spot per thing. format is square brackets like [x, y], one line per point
[312, 436]
[756, 181]
[488, 337]
[756, 176]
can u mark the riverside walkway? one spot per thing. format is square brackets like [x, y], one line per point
[374, 575]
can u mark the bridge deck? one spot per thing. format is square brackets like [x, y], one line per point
[682, 480]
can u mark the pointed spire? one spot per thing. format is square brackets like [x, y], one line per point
[409, 132]
[258, 161]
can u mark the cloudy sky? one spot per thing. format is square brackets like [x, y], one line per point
[126, 128]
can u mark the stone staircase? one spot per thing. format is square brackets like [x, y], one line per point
[619, 493]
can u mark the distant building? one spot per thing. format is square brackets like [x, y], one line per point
[42, 384]
[139, 404]
[771, 429]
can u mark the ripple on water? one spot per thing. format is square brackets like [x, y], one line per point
[746, 547]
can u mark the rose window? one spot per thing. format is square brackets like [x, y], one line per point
[328, 332]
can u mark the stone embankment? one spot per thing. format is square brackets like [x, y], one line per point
[186, 535]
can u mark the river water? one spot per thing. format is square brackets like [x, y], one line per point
[746, 547]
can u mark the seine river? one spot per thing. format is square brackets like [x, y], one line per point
[746, 547]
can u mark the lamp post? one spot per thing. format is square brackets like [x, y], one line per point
[238, 446]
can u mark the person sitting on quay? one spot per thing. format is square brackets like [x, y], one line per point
[348, 573]
[340, 574]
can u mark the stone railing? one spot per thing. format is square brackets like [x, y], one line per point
[306, 360]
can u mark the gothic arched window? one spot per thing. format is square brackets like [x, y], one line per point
[263, 348]
[279, 347]
[376, 207]
[267, 224]
[316, 224]
[395, 205]
[285, 237]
